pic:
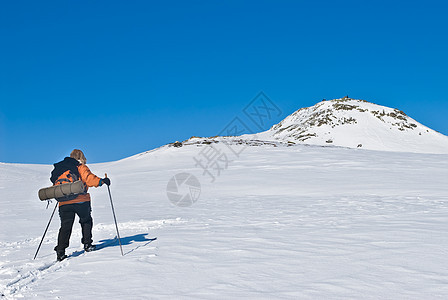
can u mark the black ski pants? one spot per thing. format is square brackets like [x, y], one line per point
[67, 215]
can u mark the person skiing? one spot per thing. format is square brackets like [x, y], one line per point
[75, 166]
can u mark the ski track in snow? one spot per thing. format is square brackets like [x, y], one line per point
[26, 272]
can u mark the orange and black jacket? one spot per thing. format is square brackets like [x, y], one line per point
[82, 172]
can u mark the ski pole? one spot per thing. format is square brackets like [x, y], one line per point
[45, 232]
[115, 219]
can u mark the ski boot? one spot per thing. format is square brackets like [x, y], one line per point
[89, 247]
[60, 254]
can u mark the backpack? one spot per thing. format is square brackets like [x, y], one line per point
[67, 177]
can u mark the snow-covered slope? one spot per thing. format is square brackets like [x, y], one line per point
[357, 123]
[281, 219]
[295, 222]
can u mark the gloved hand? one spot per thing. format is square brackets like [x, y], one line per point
[105, 181]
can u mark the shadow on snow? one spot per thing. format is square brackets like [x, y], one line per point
[124, 241]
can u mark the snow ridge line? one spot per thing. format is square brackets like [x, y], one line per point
[141, 225]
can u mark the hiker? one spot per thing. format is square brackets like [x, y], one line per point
[71, 169]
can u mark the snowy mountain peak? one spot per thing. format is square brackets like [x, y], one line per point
[344, 111]
[344, 122]
[357, 123]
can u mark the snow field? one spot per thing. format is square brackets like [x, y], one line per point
[281, 222]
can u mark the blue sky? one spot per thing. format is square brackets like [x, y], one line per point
[115, 78]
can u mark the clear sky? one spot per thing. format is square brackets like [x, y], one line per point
[115, 78]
